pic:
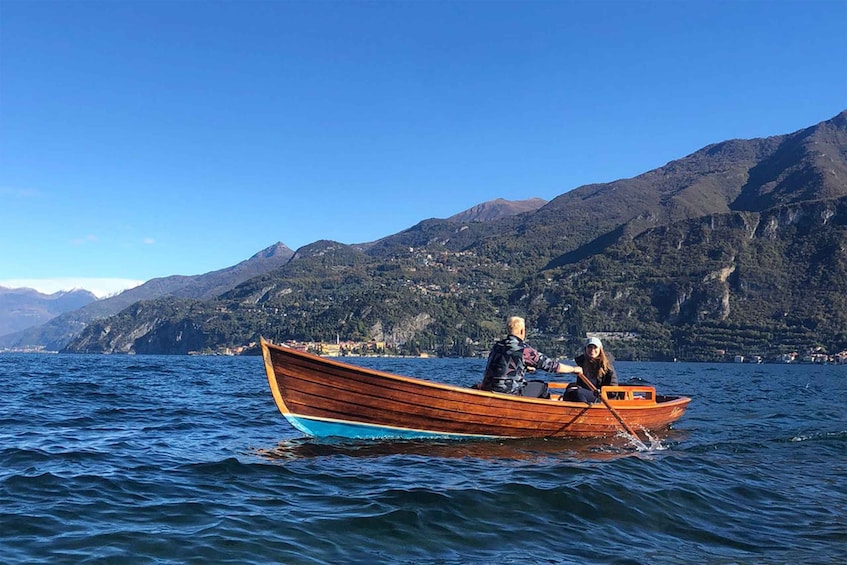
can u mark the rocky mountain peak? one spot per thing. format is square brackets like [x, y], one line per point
[497, 209]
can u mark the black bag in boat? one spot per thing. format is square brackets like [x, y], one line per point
[535, 389]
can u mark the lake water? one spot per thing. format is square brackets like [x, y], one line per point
[154, 459]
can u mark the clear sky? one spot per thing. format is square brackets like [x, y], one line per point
[141, 139]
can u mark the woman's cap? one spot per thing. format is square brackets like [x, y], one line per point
[593, 341]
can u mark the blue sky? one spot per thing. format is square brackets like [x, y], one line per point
[141, 139]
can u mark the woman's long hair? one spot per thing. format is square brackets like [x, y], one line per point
[602, 364]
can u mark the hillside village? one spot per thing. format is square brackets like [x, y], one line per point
[339, 348]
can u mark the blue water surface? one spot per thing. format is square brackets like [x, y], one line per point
[171, 459]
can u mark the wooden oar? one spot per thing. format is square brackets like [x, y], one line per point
[609, 406]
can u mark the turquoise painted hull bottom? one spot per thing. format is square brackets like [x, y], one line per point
[321, 428]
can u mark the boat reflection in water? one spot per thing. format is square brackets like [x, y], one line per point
[528, 449]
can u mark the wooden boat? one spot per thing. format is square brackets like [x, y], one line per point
[325, 398]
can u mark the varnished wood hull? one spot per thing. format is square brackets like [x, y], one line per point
[326, 398]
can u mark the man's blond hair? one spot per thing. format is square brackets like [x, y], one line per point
[515, 325]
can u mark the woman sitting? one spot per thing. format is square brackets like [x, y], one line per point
[596, 367]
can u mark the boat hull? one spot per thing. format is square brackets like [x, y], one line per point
[325, 398]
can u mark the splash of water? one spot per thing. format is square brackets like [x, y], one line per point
[651, 442]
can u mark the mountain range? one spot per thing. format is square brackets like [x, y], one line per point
[22, 308]
[740, 247]
[33, 320]
[54, 332]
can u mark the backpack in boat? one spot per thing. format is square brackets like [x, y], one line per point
[535, 389]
